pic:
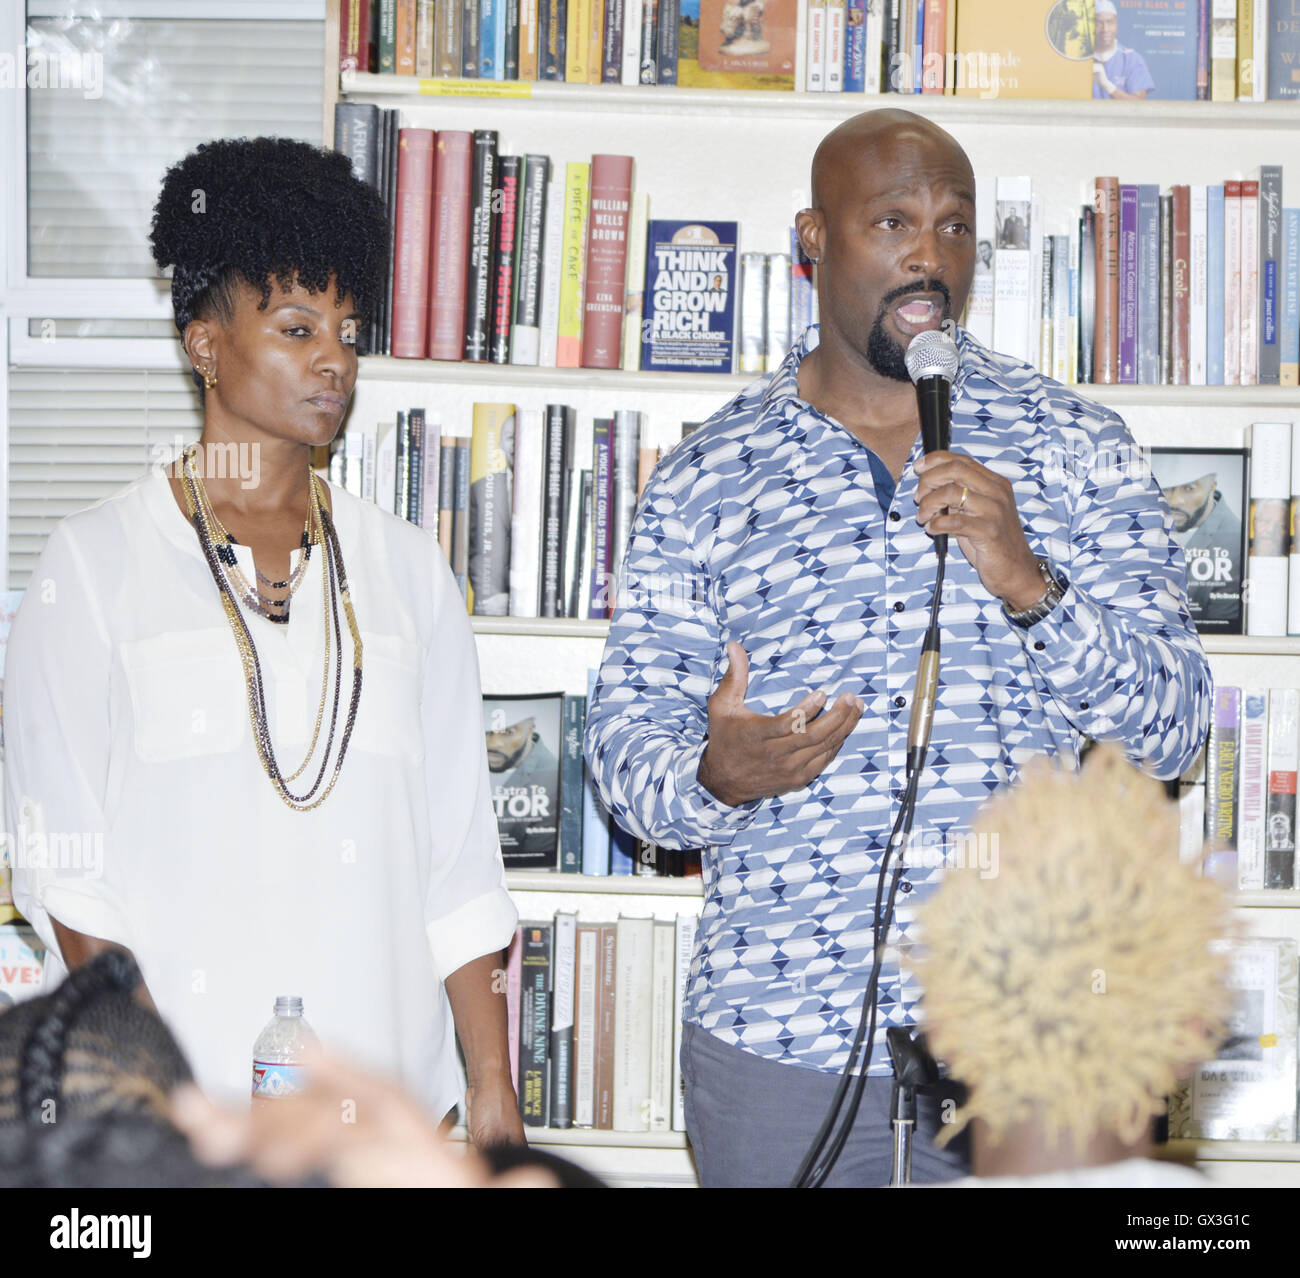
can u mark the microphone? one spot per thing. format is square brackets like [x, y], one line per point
[931, 360]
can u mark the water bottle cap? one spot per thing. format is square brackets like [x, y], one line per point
[288, 1005]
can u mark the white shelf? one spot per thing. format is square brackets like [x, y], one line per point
[1235, 1151]
[385, 368]
[1253, 645]
[580, 98]
[1276, 899]
[603, 884]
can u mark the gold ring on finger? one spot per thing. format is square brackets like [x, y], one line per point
[965, 492]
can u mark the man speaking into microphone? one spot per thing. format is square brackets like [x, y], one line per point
[755, 692]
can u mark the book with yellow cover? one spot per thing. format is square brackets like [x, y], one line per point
[491, 471]
[577, 43]
[737, 44]
[1032, 49]
[573, 261]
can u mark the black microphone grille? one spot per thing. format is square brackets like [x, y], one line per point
[931, 354]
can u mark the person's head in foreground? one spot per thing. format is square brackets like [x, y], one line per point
[278, 252]
[1071, 988]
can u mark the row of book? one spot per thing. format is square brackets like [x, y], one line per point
[494, 260]
[1220, 50]
[549, 816]
[1199, 286]
[595, 1021]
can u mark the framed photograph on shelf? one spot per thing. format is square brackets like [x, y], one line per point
[1207, 494]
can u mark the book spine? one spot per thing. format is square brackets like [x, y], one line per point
[354, 35]
[836, 23]
[584, 1025]
[816, 46]
[1148, 271]
[632, 1025]
[491, 12]
[1293, 540]
[577, 445]
[1087, 276]
[490, 475]
[1268, 549]
[1270, 256]
[1279, 836]
[404, 44]
[668, 21]
[385, 495]
[562, 977]
[577, 187]
[514, 992]
[1289, 321]
[1046, 266]
[450, 245]
[510, 41]
[1221, 771]
[1223, 51]
[1166, 289]
[505, 218]
[634, 287]
[1106, 336]
[553, 512]
[575, 715]
[402, 497]
[446, 39]
[933, 50]
[471, 38]
[424, 36]
[595, 821]
[627, 456]
[446, 495]
[526, 336]
[1012, 270]
[411, 264]
[577, 41]
[357, 135]
[1214, 298]
[1197, 274]
[1282, 73]
[478, 276]
[1035, 317]
[633, 18]
[390, 203]
[1245, 50]
[607, 981]
[431, 480]
[611, 43]
[686, 927]
[777, 318]
[1249, 283]
[552, 271]
[460, 518]
[649, 41]
[1202, 50]
[526, 518]
[623, 851]
[602, 463]
[1232, 283]
[415, 452]
[1262, 41]
[1253, 788]
[855, 48]
[1182, 284]
[529, 40]
[606, 262]
[353, 475]
[552, 22]
[1062, 256]
[801, 47]
[753, 312]
[387, 40]
[1128, 283]
[662, 973]
[534, 1025]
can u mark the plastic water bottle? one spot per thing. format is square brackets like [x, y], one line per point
[278, 1071]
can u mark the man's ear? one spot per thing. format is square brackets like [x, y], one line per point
[811, 228]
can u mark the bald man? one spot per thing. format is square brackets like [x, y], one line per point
[756, 688]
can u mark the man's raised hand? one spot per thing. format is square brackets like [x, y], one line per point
[754, 756]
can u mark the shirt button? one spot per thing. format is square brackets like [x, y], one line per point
[904, 886]
[900, 702]
[899, 606]
[895, 516]
[1083, 705]
[1039, 646]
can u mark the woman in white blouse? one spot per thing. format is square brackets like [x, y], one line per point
[242, 707]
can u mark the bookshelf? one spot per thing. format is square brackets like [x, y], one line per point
[744, 156]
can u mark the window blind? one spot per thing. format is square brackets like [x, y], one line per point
[76, 436]
[95, 163]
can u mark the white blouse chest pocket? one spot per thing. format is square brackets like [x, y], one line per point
[188, 695]
[388, 718]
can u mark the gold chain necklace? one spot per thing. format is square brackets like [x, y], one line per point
[334, 587]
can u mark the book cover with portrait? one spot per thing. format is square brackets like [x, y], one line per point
[524, 735]
[737, 44]
[1206, 492]
[689, 304]
[1146, 47]
[1033, 49]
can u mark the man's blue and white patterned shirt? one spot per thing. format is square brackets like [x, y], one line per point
[765, 526]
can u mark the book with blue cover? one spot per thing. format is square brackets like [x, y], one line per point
[689, 305]
[1150, 47]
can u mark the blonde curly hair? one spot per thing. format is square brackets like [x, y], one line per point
[1073, 984]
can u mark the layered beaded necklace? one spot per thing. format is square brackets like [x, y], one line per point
[319, 530]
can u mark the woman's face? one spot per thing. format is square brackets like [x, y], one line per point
[286, 370]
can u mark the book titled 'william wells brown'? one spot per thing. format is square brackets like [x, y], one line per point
[606, 274]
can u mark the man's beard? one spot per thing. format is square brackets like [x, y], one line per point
[884, 354]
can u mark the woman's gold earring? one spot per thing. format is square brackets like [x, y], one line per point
[209, 379]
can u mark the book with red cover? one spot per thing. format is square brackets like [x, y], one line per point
[354, 35]
[411, 249]
[934, 39]
[449, 244]
[606, 276]
[1182, 314]
[1106, 334]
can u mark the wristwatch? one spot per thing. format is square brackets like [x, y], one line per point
[1055, 592]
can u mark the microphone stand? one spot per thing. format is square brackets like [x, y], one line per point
[914, 1068]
